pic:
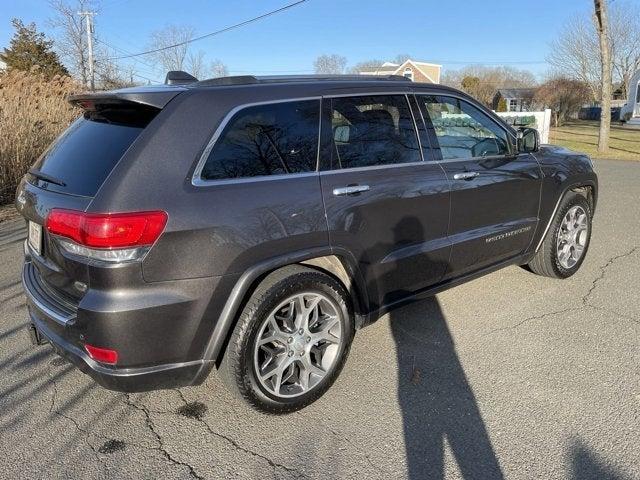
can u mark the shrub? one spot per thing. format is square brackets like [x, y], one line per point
[33, 112]
[563, 96]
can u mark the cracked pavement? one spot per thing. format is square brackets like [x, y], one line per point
[509, 376]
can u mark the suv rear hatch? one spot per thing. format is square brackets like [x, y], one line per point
[69, 174]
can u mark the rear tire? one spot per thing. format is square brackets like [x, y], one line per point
[567, 241]
[290, 342]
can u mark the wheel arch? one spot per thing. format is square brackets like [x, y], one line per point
[340, 264]
[586, 188]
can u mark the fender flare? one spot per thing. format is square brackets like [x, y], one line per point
[566, 188]
[243, 286]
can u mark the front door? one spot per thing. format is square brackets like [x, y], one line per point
[383, 202]
[494, 191]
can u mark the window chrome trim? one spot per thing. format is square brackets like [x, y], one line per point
[475, 159]
[415, 125]
[372, 167]
[198, 181]
[370, 93]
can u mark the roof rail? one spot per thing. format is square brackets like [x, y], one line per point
[178, 77]
[252, 79]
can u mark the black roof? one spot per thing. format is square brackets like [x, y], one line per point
[253, 79]
[158, 96]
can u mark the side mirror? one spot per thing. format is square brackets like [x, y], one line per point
[528, 140]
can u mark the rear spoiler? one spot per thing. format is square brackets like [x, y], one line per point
[149, 96]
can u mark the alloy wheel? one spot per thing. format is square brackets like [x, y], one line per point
[572, 237]
[298, 344]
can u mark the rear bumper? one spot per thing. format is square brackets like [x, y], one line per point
[121, 379]
[60, 326]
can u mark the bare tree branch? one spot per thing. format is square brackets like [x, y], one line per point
[172, 58]
[330, 64]
[218, 69]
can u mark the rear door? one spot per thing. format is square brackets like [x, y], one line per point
[383, 203]
[495, 191]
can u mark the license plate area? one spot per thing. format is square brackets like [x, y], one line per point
[35, 237]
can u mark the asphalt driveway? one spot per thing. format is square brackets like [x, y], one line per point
[512, 375]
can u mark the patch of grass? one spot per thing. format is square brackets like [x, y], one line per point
[582, 136]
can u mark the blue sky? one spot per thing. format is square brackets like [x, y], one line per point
[439, 31]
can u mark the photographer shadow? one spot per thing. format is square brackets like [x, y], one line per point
[437, 403]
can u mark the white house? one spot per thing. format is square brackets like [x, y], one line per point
[630, 112]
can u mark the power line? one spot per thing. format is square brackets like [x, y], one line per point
[129, 73]
[122, 50]
[217, 32]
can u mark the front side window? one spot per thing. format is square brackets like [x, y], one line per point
[373, 130]
[272, 139]
[463, 130]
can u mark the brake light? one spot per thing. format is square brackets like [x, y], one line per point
[102, 355]
[107, 230]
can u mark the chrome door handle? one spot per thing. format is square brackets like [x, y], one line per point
[465, 175]
[350, 190]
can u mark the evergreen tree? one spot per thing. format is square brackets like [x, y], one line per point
[29, 48]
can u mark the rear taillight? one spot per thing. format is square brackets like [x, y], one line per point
[110, 237]
[102, 355]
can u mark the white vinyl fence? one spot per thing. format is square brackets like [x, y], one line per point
[538, 120]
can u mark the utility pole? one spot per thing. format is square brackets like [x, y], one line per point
[602, 25]
[88, 16]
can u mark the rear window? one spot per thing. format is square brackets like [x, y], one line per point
[272, 139]
[84, 155]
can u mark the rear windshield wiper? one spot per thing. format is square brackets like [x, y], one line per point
[46, 178]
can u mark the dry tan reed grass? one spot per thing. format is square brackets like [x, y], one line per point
[33, 112]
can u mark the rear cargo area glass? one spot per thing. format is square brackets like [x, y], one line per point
[84, 155]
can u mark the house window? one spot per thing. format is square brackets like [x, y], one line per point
[408, 73]
[513, 105]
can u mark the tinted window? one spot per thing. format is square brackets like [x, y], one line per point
[375, 130]
[85, 154]
[272, 139]
[463, 131]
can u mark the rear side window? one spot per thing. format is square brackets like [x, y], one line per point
[84, 155]
[464, 131]
[272, 139]
[372, 130]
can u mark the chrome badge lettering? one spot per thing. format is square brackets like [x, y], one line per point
[502, 236]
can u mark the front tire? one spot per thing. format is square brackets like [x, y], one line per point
[291, 340]
[565, 246]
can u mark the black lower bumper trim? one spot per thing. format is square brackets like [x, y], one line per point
[122, 379]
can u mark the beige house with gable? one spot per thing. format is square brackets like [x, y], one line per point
[416, 71]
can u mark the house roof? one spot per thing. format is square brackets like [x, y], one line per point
[517, 92]
[396, 69]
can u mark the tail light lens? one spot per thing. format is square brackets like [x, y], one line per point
[102, 355]
[109, 237]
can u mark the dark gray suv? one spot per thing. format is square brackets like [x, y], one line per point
[253, 224]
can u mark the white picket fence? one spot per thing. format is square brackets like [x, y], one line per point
[538, 120]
